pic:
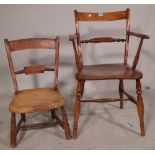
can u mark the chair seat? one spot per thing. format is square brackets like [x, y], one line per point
[108, 71]
[36, 100]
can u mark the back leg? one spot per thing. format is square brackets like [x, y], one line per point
[121, 89]
[13, 133]
[82, 87]
[53, 113]
[23, 116]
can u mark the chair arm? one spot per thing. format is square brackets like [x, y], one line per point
[72, 37]
[138, 35]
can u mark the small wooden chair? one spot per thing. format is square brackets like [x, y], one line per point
[118, 71]
[39, 99]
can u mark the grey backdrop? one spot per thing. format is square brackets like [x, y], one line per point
[23, 21]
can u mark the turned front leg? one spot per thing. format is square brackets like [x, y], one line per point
[140, 106]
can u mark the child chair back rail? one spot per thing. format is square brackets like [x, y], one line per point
[32, 43]
[34, 69]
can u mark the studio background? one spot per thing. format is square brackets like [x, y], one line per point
[27, 21]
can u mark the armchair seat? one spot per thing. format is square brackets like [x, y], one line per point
[108, 71]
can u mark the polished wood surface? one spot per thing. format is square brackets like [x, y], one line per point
[39, 99]
[101, 16]
[108, 71]
[116, 71]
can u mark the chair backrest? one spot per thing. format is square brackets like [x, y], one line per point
[105, 16]
[32, 43]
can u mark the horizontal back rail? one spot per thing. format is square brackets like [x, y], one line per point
[31, 43]
[34, 69]
[101, 16]
[102, 40]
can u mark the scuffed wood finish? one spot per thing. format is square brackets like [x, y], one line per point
[101, 16]
[101, 40]
[31, 43]
[119, 71]
[33, 100]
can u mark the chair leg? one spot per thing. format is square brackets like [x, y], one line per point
[23, 116]
[121, 89]
[65, 123]
[13, 133]
[82, 87]
[140, 106]
[53, 113]
[77, 107]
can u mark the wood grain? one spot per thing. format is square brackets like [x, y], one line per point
[107, 16]
[39, 99]
[114, 71]
[31, 43]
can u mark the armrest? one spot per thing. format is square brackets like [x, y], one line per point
[138, 35]
[73, 37]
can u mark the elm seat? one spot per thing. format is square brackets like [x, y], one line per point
[108, 71]
[36, 100]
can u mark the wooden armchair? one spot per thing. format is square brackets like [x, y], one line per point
[118, 71]
[39, 99]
